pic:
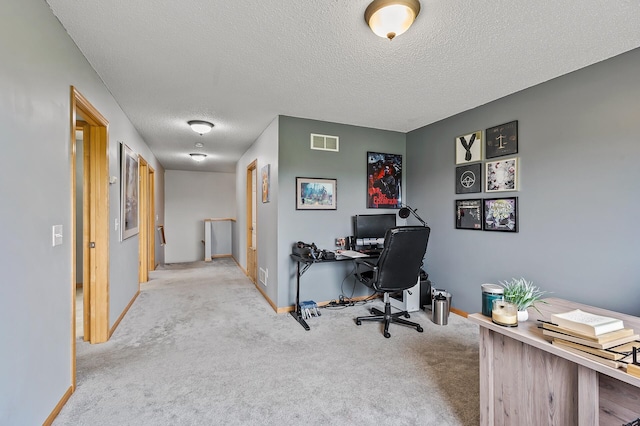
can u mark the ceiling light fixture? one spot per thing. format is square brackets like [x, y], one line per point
[199, 145]
[197, 157]
[200, 126]
[390, 18]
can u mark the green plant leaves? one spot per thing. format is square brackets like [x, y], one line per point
[522, 293]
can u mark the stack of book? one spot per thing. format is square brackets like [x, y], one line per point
[596, 337]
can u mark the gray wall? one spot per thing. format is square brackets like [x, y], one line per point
[160, 214]
[41, 64]
[191, 198]
[265, 151]
[578, 197]
[285, 145]
[349, 167]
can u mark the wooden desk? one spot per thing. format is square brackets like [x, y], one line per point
[524, 379]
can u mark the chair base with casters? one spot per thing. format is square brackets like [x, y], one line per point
[387, 317]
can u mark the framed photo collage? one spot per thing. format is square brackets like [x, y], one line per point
[497, 172]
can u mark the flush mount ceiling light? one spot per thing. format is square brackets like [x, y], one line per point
[199, 144]
[197, 157]
[200, 126]
[390, 18]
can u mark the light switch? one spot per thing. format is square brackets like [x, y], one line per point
[57, 235]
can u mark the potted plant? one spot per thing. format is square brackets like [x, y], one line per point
[523, 294]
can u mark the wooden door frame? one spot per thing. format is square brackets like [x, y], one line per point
[146, 237]
[86, 303]
[151, 246]
[249, 199]
[143, 235]
[96, 179]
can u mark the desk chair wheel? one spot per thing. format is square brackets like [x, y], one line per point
[407, 315]
[358, 322]
[419, 329]
[386, 334]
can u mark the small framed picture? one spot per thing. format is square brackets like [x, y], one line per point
[469, 178]
[469, 148]
[129, 180]
[501, 140]
[266, 182]
[316, 194]
[501, 175]
[469, 214]
[501, 214]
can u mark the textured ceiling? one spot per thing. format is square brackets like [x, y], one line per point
[241, 63]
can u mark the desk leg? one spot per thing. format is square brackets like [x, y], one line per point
[296, 313]
[487, 378]
[588, 396]
[302, 322]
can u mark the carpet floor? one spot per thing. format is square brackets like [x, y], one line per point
[201, 346]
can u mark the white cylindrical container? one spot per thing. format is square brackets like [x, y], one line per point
[490, 292]
[504, 313]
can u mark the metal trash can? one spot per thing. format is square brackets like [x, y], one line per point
[436, 291]
[440, 309]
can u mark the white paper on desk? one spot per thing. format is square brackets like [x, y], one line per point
[351, 253]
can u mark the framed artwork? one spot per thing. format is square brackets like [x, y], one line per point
[265, 174]
[501, 140]
[384, 180]
[469, 214]
[469, 148]
[469, 178]
[128, 192]
[316, 194]
[501, 214]
[501, 175]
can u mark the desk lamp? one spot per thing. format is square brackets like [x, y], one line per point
[404, 213]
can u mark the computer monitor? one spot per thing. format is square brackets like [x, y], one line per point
[372, 226]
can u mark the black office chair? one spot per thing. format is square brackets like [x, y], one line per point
[397, 269]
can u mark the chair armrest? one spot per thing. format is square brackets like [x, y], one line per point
[367, 262]
[365, 265]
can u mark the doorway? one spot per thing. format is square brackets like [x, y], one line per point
[151, 240]
[146, 238]
[252, 246]
[94, 249]
[82, 127]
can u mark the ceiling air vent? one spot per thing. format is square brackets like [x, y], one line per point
[325, 142]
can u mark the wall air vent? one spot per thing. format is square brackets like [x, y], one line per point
[325, 142]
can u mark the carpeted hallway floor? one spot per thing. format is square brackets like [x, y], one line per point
[201, 346]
